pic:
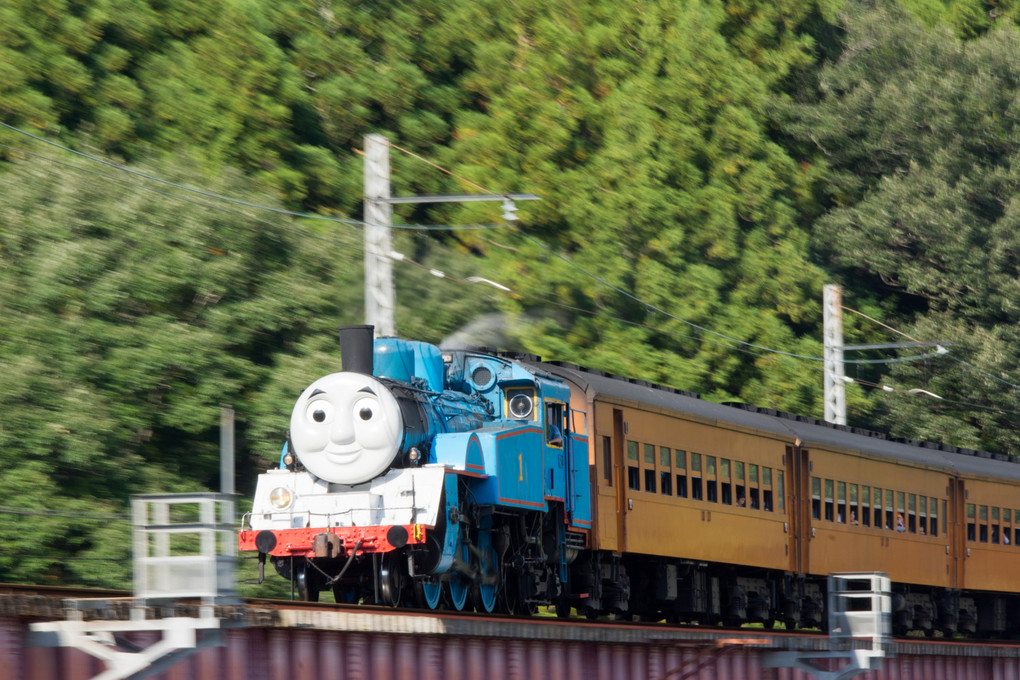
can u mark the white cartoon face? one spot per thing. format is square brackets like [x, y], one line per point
[346, 428]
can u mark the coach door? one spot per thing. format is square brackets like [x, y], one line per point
[957, 536]
[798, 508]
[621, 482]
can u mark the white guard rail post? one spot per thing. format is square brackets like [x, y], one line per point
[185, 547]
[860, 629]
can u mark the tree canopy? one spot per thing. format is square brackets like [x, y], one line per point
[704, 168]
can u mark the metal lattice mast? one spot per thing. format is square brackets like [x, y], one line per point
[835, 386]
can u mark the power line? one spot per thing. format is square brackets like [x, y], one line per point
[985, 373]
[204, 204]
[200, 192]
[653, 307]
[282, 211]
[61, 558]
[946, 354]
[35, 512]
[304, 215]
[854, 311]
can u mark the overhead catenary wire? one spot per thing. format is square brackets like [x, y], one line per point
[651, 307]
[36, 512]
[946, 354]
[185, 199]
[659, 310]
[229, 199]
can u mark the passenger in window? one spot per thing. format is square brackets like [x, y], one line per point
[920, 529]
[1005, 538]
[741, 501]
[555, 436]
[900, 524]
[853, 517]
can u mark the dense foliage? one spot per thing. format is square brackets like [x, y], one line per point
[704, 168]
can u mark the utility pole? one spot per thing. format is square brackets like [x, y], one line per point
[380, 301]
[226, 449]
[379, 296]
[835, 386]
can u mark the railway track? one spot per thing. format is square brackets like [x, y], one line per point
[35, 602]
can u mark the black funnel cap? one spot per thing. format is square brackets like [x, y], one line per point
[356, 348]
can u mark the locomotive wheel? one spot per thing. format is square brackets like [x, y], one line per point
[305, 585]
[390, 580]
[484, 594]
[509, 593]
[428, 594]
[459, 585]
[457, 589]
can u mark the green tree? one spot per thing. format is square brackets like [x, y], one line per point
[643, 129]
[129, 316]
[915, 128]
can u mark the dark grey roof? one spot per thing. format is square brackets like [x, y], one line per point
[810, 431]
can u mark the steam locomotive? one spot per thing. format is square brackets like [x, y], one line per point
[418, 477]
[414, 477]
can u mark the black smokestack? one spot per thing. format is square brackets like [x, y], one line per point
[356, 343]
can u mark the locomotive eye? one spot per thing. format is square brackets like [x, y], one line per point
[365, 413]
[320, 411]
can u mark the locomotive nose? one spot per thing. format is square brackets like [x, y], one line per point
[341, 432]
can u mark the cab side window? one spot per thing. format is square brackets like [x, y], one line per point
[554, 424]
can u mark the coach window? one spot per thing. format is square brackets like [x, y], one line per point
[753, 500]
[711, 491]
[665, 474]
[879, 519]
[607, 460]
[922, 514]
[766, 488]
[780, 492]
[983, 523]
[681, 473]
[696, 477]
[854, 516]
[866, 506]
[995, 525]
[816, 498]
[912, 513]
[841, 502]
[725, 486]
[633, 471]
[890, 516]
[933, 517]
[829, 509]
[971, 524]
[649, 465]
[741, 489]
[901, 520]
[1016, 523]
[1007, 530]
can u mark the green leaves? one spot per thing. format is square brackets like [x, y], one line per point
[130, 316]
[915, 127]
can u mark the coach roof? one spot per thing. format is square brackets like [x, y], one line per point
[810, 432]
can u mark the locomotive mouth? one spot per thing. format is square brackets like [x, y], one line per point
[342, 454]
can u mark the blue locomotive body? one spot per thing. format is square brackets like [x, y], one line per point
[414, 473]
